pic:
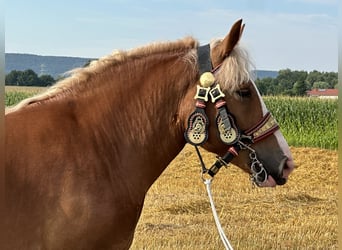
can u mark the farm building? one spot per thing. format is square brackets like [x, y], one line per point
[323, 93]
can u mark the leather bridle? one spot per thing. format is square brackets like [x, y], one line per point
[229, 133]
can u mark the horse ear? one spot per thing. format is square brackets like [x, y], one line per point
[222, 50]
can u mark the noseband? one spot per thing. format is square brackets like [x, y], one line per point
[229, 133]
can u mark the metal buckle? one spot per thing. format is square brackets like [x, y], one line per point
[202, 93]
[216, 93]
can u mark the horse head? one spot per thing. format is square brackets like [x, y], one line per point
[235, 122]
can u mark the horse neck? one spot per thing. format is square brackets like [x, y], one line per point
[137, 119]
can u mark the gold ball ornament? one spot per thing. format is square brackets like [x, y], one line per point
[207, 79]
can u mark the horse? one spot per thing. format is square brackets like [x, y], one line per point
[81, 156]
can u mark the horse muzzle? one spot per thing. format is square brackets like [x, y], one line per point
[286, 166]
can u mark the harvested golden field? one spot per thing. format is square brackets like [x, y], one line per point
[300, 215]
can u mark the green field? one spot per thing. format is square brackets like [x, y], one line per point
[305, 122]
[308, 122]
[14, 94]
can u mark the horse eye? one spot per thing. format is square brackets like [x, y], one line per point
[244, 93]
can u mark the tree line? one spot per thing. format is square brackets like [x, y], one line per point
[296, 83]
[28, 78]
[287, 82]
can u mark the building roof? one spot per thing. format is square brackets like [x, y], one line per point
[323, 92]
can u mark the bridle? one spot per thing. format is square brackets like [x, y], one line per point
[196, 133]
[229, 133]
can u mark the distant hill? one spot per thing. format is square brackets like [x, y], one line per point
[266, 73]
[58, 65]
[51, 65]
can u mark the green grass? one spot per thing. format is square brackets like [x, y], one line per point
[306, 122]
[14, 97]
[14, 94]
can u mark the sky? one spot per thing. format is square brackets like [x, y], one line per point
[279, 34]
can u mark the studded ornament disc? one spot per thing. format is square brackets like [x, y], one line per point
[227, 136]
[197, 131]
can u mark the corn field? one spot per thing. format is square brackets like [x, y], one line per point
[14, 95]
[307, 122]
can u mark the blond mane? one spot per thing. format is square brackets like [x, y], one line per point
[235, 70]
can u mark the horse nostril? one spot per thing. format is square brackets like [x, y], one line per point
[288, 166]
[281, 181]
[284, 170]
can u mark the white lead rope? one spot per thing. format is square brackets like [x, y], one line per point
[223, 237]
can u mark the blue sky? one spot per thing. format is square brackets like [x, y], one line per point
[295, 34]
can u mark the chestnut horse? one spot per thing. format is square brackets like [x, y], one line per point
[81, 156]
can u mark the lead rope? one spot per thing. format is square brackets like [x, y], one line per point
[223, 237]
[207, 183]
